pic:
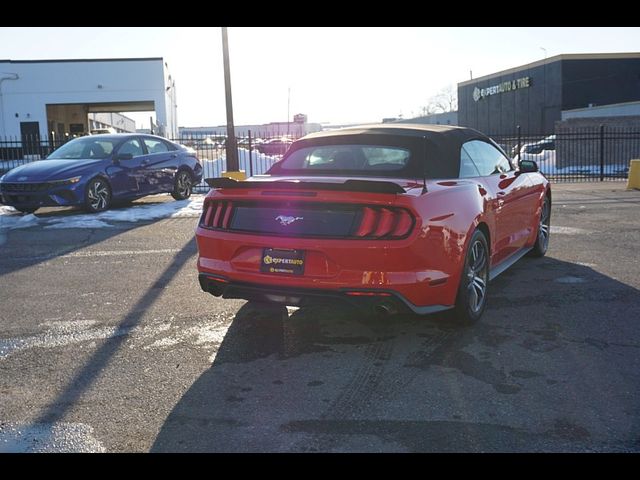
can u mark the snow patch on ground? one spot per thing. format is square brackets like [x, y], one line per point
[62, 333]
[202, 334]
[79, 223]
[48, 438]
[58, 337]
[11, 219]
[567, 230]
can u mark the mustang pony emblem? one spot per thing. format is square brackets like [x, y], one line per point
[286, 220]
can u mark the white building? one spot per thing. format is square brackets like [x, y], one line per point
[111, 120]
[627, 109]
[51, 99]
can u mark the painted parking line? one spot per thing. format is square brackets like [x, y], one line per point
[96, 253]
[115, 253]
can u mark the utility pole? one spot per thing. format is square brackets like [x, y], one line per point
[288, 112]
[544, 102]
[231, 147]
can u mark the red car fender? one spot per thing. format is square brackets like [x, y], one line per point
[450, 212]
[545, 190]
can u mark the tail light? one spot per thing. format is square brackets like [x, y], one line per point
[370, 222]
[384, 222]
[216, 215]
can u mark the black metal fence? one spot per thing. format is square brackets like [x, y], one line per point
[256, 152]
[16, 151]
[577, 154]
[569, 154]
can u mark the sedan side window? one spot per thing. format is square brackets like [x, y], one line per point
[131, 146]
[488, 159]
[155, 146]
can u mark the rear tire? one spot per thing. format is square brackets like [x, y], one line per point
[544, 230]
[472, 292]
[182, 186]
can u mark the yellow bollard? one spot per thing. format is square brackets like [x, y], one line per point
[239, 176]
[634, 175]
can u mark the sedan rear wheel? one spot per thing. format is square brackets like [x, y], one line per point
[182, 186]
[97, 196]
[472, 293]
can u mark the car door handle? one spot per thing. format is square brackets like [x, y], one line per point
[174, 155]
[144, 162]
[501, 194]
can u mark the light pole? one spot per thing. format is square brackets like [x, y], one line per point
[544, 100]
[231, 147]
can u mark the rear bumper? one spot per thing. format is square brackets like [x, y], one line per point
[365, 299]
[412, 271]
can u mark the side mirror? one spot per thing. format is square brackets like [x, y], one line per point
[124, 156]
[528, 166]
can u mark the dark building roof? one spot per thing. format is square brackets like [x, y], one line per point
[555, 58]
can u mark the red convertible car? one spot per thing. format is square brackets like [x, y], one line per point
[402, 218]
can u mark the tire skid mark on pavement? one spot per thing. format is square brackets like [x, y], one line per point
[360, 388]
[369, 380]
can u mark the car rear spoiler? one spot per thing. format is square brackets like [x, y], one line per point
[370, 186]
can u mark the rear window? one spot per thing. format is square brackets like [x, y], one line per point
[345, 158]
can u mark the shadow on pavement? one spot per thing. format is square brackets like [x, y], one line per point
[24, 247]
[550, 367]
[98, 361]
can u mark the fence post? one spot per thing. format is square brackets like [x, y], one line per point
[250, 156]
[519, 140]
[602, 153]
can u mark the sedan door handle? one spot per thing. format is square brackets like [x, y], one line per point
[501, 194]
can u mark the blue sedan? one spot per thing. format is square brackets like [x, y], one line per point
[94, 171]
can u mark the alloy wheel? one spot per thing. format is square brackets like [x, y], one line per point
[98, 195]
[477, 273]
[183, 185]
[544, 228]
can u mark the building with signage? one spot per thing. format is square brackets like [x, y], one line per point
[55, 99]
[535, 96]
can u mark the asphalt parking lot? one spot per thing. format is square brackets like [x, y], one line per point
[108, 344]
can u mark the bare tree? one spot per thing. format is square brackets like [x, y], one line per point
[445, 101]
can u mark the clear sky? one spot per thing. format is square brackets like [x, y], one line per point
[337, 75]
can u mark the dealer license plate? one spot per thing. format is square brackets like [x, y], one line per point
[282, 261]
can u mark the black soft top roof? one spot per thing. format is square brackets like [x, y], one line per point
[439, 144]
